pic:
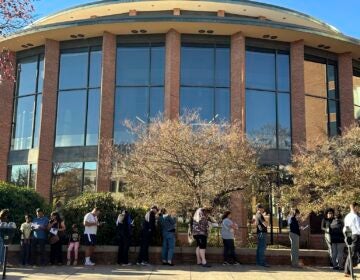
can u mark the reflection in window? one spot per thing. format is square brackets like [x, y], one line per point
[28, 100]
[321, 100]
[356, 84]
[23, 175]
[268, 121]
[139, 87]
[73, 178]
[79, 98]
[205, 81]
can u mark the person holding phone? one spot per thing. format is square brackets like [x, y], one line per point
[91, 224]
[56, 227]
[261, 230]
[39, 226]
[294, 236]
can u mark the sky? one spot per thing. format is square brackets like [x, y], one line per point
[343, 14]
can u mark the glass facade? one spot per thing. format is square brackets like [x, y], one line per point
[28, 101]
[321, 100]
[268, 116]
[139, 97]
[23, 175]
[73, 178]
[356, 84]
[205, 81]
[78, 109]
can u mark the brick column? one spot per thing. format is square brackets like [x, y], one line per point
[298, 123]
[48, 120]
[172, 74]
[238, 205]
[107, 109]
[7, 89]
[346, 90]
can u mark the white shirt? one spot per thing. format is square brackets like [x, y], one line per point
[90, 218]
[352, 220]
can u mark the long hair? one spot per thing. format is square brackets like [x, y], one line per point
[57, 216]
[4, 214]
[225, 215]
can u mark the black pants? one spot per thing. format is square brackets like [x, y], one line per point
[25, 251]
[123, 251]
[144, 246]
[355, 251]
[34, 245]
[56, 253]
[229, 250]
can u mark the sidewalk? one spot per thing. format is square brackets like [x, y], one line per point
[186, 272]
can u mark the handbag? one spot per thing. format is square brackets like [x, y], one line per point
[54, 239]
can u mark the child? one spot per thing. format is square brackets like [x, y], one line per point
[227, 232]
[74, 244]
[26, 234]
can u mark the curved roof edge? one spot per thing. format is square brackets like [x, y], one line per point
[247, 2]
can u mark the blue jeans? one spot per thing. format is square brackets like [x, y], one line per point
[261, 247]
[168, 246]
[2, 251]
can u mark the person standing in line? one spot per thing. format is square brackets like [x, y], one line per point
[337, 242]
[168, 229]
[325, 226]
[74, 244]
[294, 236]
[352, 222]
[26, 236]
[147, 233]
[4, 214]
[56, 228]
[200, 232]
[91, 224]
[228, 228]
[261, 230]
[124, 228]
[39, 225]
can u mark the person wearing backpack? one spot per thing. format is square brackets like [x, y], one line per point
[337, 242]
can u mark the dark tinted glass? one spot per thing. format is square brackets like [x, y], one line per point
[37, 120]
[71, 118]
[260, 70]
[222, 67]
[315, 78]
[283, 72]
[19, 175]
[24, 123]
[200, 100]
[222, 105]
[156, 102]
[41, 74]
[261, 118]
[332, 79]
[133, 65]
[73, 70]
[131, 105]
[67, 180]
[27, 68]
[157, 66]
[89, 177]
[93, 116]
[197, 65]
[95, 69]
[284, 125]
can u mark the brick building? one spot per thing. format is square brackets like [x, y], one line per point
[82, 72]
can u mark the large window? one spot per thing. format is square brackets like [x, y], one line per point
[72, 179]
[22, 175]
[28, 100]
[356, 82]
[268, 121]
[205, 81]
[321, 100]
[139, 87]
[79, 98]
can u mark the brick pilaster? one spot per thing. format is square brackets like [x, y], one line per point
[345, 69]
[172, 74]
[297, 93]
[7, 89]
[48, 119]
[107, 109]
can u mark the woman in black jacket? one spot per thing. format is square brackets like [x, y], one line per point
[337, 242]
[294, 237]
[124, 228]
[325, 226]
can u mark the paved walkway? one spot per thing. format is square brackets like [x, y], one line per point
[185, 272]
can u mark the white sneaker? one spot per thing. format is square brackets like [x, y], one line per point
[144, 264]
[89, 263]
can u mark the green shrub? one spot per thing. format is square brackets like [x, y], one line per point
[75, 210]
[20, 201]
